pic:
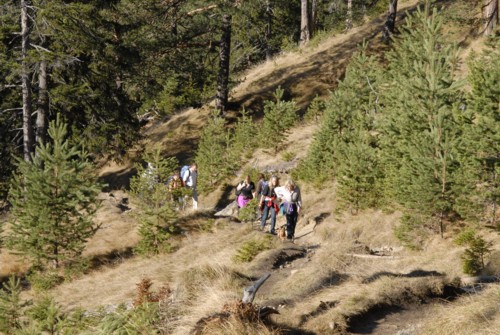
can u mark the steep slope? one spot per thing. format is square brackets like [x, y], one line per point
[340, 266]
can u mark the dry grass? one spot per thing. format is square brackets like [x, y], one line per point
[317, 292]
[472, 314]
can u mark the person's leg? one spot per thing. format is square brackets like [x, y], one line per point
[289, 226]
[195, 199]
[264, 217]
[293, 223]
[273, 220]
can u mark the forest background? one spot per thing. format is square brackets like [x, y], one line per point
[107, 67]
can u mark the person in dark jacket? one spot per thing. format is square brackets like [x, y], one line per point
[293, 207]
[245, 191]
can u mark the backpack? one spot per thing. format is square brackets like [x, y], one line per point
[263, 185]
[183, 171]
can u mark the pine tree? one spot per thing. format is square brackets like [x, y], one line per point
[347, 123]
[359, 176]
[477, 188]
[10, 306]
[211, 156]
[279, 117]
[421, 124]
[243, 141]
[156, 215]
[53, 201]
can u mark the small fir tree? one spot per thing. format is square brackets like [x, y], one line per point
[10, 306]
[359, 177]
[212, 154]
[46, 316]
[279, 117]
[476, 250]
[348, 120]
[243, 141]
[315, 110]
[54, 199]
[156, 215]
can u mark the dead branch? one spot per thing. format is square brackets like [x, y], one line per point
[250, 291]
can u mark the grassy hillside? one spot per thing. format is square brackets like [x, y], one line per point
[343, 274]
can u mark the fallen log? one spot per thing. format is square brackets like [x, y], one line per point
[366, 256]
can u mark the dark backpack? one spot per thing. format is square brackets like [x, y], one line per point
[263, 185]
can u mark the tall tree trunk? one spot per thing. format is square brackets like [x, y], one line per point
[224, 54]
[390, 22]
[268, 33]
[313, 17]
[26, 84]
[490, 16]
[304, 23]
[348, 20]
[43, 104]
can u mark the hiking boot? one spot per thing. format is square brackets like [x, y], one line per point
[271, 232]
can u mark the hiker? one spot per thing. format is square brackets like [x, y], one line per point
[268, 204]
[261, 183]
[175, 185]
[189, 178]
[245, 192]
[292, 208]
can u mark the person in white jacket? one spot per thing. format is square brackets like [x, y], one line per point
[190, 178]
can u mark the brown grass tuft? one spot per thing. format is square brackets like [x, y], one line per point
[235, 318]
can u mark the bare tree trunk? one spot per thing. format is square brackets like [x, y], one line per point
[224, 54]
[43, 104]
[348, 20]
[313, 17]
[269, 17]
[26, 84]
[490, 10]
[390, 22]
[304, 23]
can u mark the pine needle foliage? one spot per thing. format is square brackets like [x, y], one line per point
[477, 190]
[156, 215]
[315, 110]
[211, 156]
[10, 306]
[247, 252]
[346, 136]
[46, 316]
[54, 199]
[421, 126]
[243, 141]
[476, 250]
[279, 117]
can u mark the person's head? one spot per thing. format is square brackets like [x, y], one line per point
[290, 184]
[176, 175]
[247, 179]
[274, 181]
[193, 167]
[261, 176]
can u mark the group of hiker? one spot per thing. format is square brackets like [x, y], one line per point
[272, 199]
